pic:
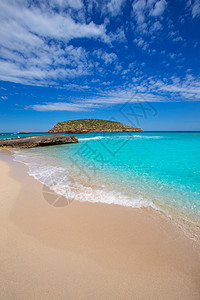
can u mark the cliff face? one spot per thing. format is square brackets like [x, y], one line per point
[39, 140]
[91, 125]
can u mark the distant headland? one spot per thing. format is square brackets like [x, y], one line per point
[91, 125]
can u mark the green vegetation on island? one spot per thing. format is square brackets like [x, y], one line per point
[91, 125]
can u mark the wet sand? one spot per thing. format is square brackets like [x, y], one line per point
[88, 250]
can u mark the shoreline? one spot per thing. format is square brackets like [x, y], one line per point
[187, 223]
[88, 250]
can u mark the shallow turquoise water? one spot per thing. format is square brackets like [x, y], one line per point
[158, 169]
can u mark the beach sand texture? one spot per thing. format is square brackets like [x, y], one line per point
[88, 251]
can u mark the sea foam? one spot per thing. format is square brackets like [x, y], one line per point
[60, 180]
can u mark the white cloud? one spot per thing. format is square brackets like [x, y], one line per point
[159, 8]
[108, 58]
[34, 42]
[194, 6]
[117, 36]
[175, 36]
[156, 26]
[143, 11]
[4, 97]
[143, 90]
[61, 106]
[155, 90]
[139, 7]
[75, 4]
[178, 39]
[187, 89]
[105, 7]
[46, 23]
[44, 65]
[75, 87]
[141, 43]
[114, 6]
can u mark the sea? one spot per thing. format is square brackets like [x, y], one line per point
[154, 170]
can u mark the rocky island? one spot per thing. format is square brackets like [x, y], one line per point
[38, 140]
[92, 125]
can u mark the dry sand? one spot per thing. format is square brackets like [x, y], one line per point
[88, 251]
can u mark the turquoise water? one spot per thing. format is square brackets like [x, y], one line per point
[157, 169]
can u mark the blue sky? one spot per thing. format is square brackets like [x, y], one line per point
[137, 62]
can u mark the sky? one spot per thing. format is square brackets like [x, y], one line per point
[136, 62]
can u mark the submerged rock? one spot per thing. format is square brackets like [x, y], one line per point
[39, 140]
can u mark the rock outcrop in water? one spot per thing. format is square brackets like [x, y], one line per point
[92, 125]
[39, 140]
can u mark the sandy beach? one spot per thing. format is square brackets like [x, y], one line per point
[86, 250]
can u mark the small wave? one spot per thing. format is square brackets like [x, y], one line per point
[10, 138]
[59, 180]
[147, 137]
[93, 138]
[124, 137]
